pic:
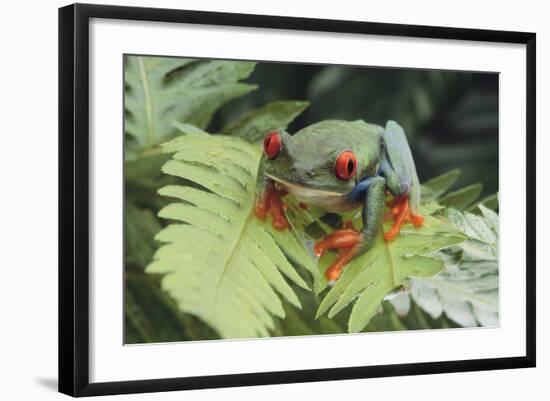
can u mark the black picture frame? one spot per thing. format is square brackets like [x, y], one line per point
[74, 198]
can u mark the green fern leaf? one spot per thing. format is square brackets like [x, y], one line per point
[219, 261]
[463, 197]
[490, 202]
[161, 90]
[276, 115]
[386, 267]
[467, 290]
[434, 188]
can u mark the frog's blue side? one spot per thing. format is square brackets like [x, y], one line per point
[399, 173]
[359, 192]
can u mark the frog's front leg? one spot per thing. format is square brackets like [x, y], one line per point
[350, 242]
[269, 201]
[397, 166]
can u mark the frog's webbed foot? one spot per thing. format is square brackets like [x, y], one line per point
[400, 212]
[271, 202]
[347, 241]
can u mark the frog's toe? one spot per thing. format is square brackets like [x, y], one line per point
[334, 271]
[271, 203]
[417, 220]
[347, 242]
[278, 219]
[400, 212]
[277, 209]
[339, 239]
[260, 210]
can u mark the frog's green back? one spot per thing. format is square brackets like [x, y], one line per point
[340, 130]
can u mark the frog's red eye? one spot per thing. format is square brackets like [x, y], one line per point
[272, 144]
[346, 165]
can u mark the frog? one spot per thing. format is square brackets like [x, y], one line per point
[341, 166]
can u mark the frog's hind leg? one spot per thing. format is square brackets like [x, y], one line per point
[346, 241]
[397, 166]
[350, 242]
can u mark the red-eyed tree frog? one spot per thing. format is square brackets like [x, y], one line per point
[340, 166]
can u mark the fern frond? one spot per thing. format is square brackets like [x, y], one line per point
[466, 198]
[386, 267]
[412, 257]
[219, 261]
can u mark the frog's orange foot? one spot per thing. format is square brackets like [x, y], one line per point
[400, 213]
[347, 241]
[270, 202]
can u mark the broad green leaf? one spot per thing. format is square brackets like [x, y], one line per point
[388, 266]
[490, 202]
[401, 302]
[219, 261]
[161, 90]
[467, 291]
[434, 188]
[462, 198]
[276, 115]
[468, 294]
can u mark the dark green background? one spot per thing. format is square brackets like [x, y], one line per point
[451, 117]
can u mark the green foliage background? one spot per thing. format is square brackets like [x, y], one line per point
[451, 119]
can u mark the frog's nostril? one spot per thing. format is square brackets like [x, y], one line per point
[302, 176]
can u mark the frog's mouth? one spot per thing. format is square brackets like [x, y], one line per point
[329, 200]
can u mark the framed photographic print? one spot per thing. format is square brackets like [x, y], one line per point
[251, 199]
